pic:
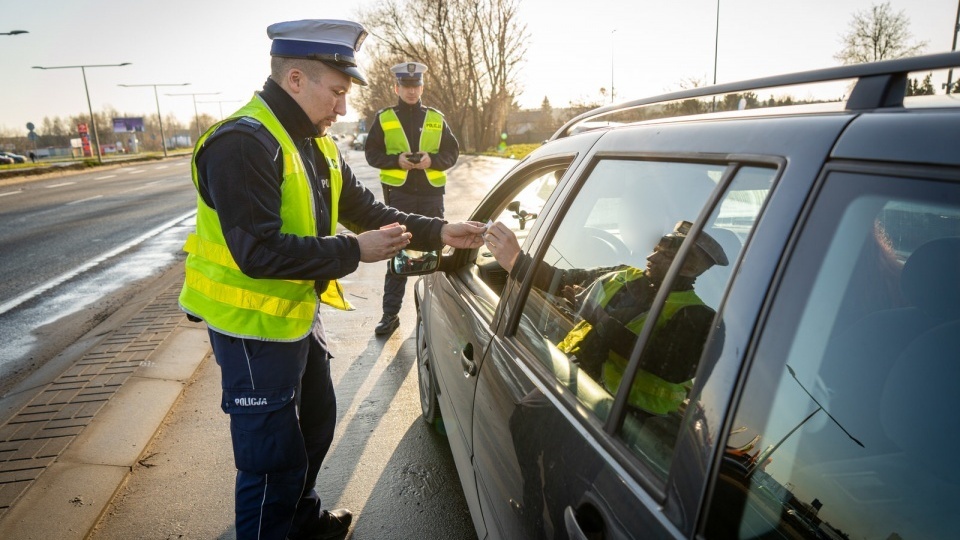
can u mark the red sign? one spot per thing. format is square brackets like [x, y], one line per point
[85, 140]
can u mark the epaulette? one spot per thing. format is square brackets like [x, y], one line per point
[434, 110]
[246, 124]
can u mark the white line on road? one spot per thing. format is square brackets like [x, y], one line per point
[105, 177]
[135, 171]
[40, 289]
[60, 185]
[84, 200]
[158, 167]
[10, 193]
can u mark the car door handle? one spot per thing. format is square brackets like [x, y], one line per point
[466, 360]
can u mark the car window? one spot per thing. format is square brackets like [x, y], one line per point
[591, 285]
[520, 205]
[665, 371]
[847, 425]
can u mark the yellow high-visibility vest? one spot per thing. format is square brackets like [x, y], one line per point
[396, 143]
[648, 391]
[233, 303]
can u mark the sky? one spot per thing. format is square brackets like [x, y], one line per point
[220, 47]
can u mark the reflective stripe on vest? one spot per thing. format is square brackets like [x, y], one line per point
[648, 391]
[216, 290]
[396, 143]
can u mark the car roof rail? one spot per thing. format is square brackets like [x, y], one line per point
[879, 85]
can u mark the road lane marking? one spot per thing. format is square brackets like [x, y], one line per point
[135, 171]
[157, 168]
[10, 193]
[60, 185]
[40, 289]
[84, 200]
[105, 177]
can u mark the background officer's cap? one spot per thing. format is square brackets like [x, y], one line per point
[330, 41]
[706, 243]
[409, 73]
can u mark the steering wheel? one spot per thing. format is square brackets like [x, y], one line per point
[606, 248]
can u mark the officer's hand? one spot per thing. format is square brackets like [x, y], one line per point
[466, 234]
[503, 244]
[384, 243]
[424, 161]
[406, 164]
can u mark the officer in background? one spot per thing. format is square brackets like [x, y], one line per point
[412, 146]
[271, 188]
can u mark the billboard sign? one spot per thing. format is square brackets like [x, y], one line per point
[127, 125]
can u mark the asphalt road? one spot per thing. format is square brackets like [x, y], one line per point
[386, 464]
[76, 246]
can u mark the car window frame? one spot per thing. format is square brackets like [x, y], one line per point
[465, 278]
[606, 432]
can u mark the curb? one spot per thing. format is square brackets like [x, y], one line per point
[68, 450]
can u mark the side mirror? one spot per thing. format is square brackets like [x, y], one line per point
[410, 262]
[520, 215]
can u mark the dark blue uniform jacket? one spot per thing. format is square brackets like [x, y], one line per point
[240, 167]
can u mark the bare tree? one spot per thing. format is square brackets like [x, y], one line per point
[473, 49]
[877, 34]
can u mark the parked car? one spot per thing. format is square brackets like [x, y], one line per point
[6, 160]
[359, 141]
[16, 158]
[798, 377]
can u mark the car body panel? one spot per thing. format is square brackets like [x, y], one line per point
[533, 463]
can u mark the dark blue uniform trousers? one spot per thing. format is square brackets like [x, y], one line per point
[283, 412]
[426, 205]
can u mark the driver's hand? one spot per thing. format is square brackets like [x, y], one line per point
[503, 244]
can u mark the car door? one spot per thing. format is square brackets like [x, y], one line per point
[459, 306]
[560, 448]
[850, 394]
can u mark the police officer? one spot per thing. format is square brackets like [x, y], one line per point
[271, 189]
[412, 146]
[613, 308]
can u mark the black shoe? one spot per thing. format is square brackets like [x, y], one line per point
[387, 324]
[333, 524]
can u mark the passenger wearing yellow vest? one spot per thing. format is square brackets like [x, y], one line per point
[612, 310]
[271, 188]
[412, 146]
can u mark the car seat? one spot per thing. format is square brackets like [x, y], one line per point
[858, 363]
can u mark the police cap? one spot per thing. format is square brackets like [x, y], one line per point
[409, 73]
[333, 42]
[705, 243]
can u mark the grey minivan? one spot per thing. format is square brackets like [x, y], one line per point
[799, 382]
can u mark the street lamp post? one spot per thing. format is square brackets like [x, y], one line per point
[716, 52]
[220, 104]
[612, 48]
[96, 136]
[163, 137]
[14, 33]
[956, 29]
[716, 44]
[195, 113]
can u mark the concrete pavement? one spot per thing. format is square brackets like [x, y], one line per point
[385, 464]
[121, 436]
[75, 439]
[129, 440]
